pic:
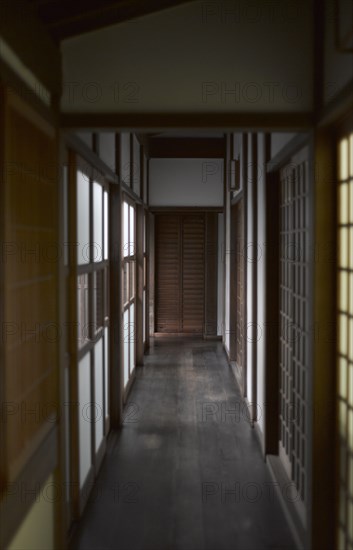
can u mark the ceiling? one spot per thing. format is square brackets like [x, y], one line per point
[67, 18]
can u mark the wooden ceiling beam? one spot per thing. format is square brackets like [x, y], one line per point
[186, 147]
[154, 122]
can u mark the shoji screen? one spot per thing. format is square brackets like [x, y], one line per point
[29, 311]
[29, 375]
[92, 346]
[345, 340]
[294, 353]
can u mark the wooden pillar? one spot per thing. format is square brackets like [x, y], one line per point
[271, 434]
[116, 336]
[139, 285]
[324, 375]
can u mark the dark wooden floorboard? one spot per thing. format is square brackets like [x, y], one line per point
[163, 484]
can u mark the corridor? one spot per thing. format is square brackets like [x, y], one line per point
[185, 472]
[176, 275]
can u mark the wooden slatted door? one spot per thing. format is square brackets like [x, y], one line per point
[180, 273]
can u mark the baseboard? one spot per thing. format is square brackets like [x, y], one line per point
[260, 439]
[281, 479]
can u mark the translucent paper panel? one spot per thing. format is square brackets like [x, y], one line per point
[345, 335]
[82, 310]
[97, 222]
[83, 219]
[343, 163]
[84, 416]
[343, 291]
[342, 387]
[106, 372]
[126, 291]
[350, 340]
[125, 229]
[350, 430]
[98, 299]
[343, 247]
[343, 420]
[132, 231]
[132, 279]
[132, 337]
[343, 330]
[350, 383]
[126, 346]
[98, 393]
[343, 203]
[106, 226]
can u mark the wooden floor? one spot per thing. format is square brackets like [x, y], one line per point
[183, 474]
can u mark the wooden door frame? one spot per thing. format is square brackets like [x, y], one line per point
[209, 264]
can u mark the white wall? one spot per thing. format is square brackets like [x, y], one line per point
[107, 149]
[220, 276]
[226, 250]
[261, 239]
[249, 257]
[186, 182]
[198, 57]
[279, 140]
[37, 529]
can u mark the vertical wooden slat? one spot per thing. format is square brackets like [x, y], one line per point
[30, 367]
[116, 334]
[324, 375]
[168, 273]
[139, 284]
[240, 298]
[271, 433]
[74, 335]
